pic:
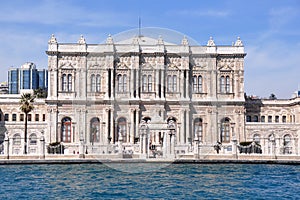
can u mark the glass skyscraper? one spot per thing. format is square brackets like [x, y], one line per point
[27, 77]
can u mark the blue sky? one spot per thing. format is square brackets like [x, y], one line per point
[270, 31]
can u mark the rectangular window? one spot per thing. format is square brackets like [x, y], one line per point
[262, 119]
[276, 119]
[269, 119]
[44, 117]
[21, 117]
[170, 84]
[149, 83]
[14, 117]
[227, 84]
[29, 117]
[283, 119]
[6, 117]
[222, 84]
[37, 117]
[195, 84]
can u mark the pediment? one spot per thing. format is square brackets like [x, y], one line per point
[67, 65]
[226, 68]
[199, 67]
[122, 65]
[147, 66]
[172, 66]
[95, 66]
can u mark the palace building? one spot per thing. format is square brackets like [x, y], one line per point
[146, 98]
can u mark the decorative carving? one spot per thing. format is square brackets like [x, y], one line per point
[81, 40]
[211, 42]
[109, 40]
[184, 41]
[160, 41]
[52, 40]
[238, 42]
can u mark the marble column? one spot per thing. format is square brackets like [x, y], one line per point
[6, 147]
[112, 83]
[132, 82]
[182, 131]
[172, 146]
[137, 115]
[42, 148]
[165, 148]
[81, 147]
[187, 122]
[112, 124]
[182, 93]
[156, 82]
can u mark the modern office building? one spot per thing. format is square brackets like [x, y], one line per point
[28, 77]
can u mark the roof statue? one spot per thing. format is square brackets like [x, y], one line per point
[109, 40]
[52, 40]
[238, 42]
[81, 40]
[135, 40]
[211, 42]
[160, 40]
[185, 41]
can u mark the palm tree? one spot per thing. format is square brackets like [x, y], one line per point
[26, 107]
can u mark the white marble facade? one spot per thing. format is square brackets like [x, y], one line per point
[105, 93]
[144, 97]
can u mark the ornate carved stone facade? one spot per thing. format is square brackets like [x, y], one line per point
[143, 97]
[107, 92]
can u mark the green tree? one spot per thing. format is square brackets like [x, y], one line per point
[26, 106]
[40, 93]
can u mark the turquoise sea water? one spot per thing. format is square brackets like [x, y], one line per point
[176, 181]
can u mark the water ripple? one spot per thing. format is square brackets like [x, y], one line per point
[178, 181]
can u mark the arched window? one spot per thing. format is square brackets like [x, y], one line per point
[144, 82]
[149, 83]
[98, 83]
[33, 139]
[287, 140]
[174, 83]
[222, 84]
[255, 118]
[2, 136]
[248, 118]
[198, 129]
[170, 83]
[200, 84]
[93, 83]
[122, 131]
[66, 129]
[256, 138]
[17, 139]
[120, 83]
[95, 130]
[69, 82]
[195, 84]
[124, 83]
[225, 130]
[287, 144]
[227, 84]
[64, 82]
